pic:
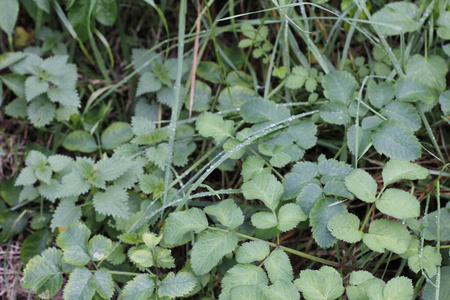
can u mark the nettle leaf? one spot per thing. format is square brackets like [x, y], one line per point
[395, 170]
[73, 242]
[252, 251]
[213, 125]
[79, 285]
[158, 155]
[289, 216]
[66, 213]
[396, 18]
[140, 288]
[339, 86]
[260, 110]
[278, 266]
[59, 162]
[112, 202]
[403, 113]
[210, 248]
[148, 83]
[178, 224]
[325, 283]
[380, 95]
[360, 183]
[281, 290]
[227, 213]
[335, 113]
[111, 168]
[34, 86]
[345, 227]
[398, 204]
[73, 184]
[41, 111]
[43, 273]
[319, 216]
[242, 275]
[398, 288]
[178, 285]
[396, 141]
[26, 177]
[386, 234]
[202, 97]
[264, 187]
[18, 108]
[336, 188]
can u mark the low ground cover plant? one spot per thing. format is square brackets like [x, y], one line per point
[225, 149]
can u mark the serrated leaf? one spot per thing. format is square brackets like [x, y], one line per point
[227, 213]
[260, 110]
[65, 96]
[112, 202]
[289, 216]
[360, 183]
[264, 187]
[252, 166]
[380, 95]
[403, 113]
[252, 251]
[429, 292]
[99, 247]
[178, 285]
[41, 111]
[336, 188]
[142, 257]
[301, 174]
[59, 162]
[140, 288]
[242, 275]
[180, 223]
[413, 90]
[278, 266]
[148, 83]
[396, 141]
[428, 259]
[111, 168]
[66, 213]
[26, 177]
[398, 288]
[245, 292]
[281, 290]
[339, 86]
[18, 108]
[80, 140]
[396, 18]
[233, 97]
[9, 10]
[79, 285]
[264, 220]
[103, 283]
[444, 101]
[398, 204]
[44, 270]
[158, 155]
[212, 125]
[209, 71]
[395, 170]
[202, 97]
[34, 86]
[308, 197]
[345, 227]
[73, 242]
[325, 283]
[430, 70]
[320, 215]
[73, 184]
[335, 113]
[210, 248]
[385, 234]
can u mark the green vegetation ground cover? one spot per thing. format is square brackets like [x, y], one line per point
[225, 149]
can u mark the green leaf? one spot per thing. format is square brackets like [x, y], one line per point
[339, 86]
[289, 216]
[142, 257]
[66, 213]
[429, 292]
[202, 97]
[404, 113]
[16, 83]
[430, 70]
[34, 86]
[116, 134]
[103, 283]
[293, 182]
[112, 202]
[99, 247]
[73, 184]
[150, 183]
[278, 266]
[335, 113]
[264, 187]
[234, 97]
[80, 140]
[398, 204]
[73, 242]
[395, 170]
[385, 234]
[213, 125]
[413, 90]
[158, 155]
[252, 166]
[111, 168]
[210, 248]
[309, 196]
[320, 215]
[227, 213]
[260, 110]
[380, 95]
[281, 290]
[179, 285]
[396, 141]
[49, 191]
[363, 136]
[41, 111]
[79, 285]
[428, 259]
[18, 108]
[10, 58]
[148, 83]
[26, 177]
[252, 251]
[178, 224]
[398, 288]
[396, 18]
[360, 183]
[444, 101]
[43, 273]
[345, 227]
[325, 283]
[140, 288]
[59, 162]
[247, 292]
[209, 71]
[105, 12]
[9, 10]
[34, 244]
[242, 275]
[264, 220]
[336, 188]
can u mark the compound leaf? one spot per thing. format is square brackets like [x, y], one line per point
[361, 184]
[345, 227]
[178, 224]
[278, 266]
[398, 204]
[264, 187]
[73, 242]
[227, 213]
[177, 285]
[252, 251]
[140, 288]
[395, 170]
[386, 234]
[325, 283]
